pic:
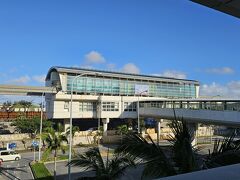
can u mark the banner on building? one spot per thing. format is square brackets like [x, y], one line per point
[141, 89]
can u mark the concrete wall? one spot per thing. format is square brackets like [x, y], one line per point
[15, 138]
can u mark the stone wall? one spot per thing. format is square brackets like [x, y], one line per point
[15, 138]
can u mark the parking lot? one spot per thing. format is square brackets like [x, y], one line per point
[17, 170]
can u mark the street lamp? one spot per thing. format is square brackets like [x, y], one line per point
[70, 133]
[138, 110]
[40, 140]
[99, 118]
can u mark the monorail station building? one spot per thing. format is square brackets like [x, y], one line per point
[108, 96]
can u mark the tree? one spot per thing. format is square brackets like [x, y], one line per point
[184, 153]
[27, 125]
[7, 107]
[122, 130]
[104, 170]
[225, 152]
[156, 162]
[74, 130]
[55, 142]
[25, 104]
[24, 143]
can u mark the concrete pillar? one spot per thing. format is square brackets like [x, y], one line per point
[66, 124]
[105, 126]
[193, 127]
[159, 130]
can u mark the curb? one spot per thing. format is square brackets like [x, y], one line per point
[48, 162]
[33, 177]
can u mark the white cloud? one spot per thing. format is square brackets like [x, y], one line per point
[222, 70]
[111, 66]
[33, 99]
[21, 80]
[75, 66]
[173, 74]
[230, 89]
[39, 79]
[130, 68]
[94, 57]
[86, 67]
[26, 79]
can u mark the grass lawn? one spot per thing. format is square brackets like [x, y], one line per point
[40, 172]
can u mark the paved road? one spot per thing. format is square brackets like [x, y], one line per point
[17, 170]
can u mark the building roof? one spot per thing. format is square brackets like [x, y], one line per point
[73, 70]
[231, 7]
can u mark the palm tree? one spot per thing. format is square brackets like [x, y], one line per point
[55, 142]
[122, 130]
[157, 162]
[225, 152]
[104, 170]
[184, 153]
[74, 130]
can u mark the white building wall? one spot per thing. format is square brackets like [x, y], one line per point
[57, 110]
[197, 91]
[63, 79]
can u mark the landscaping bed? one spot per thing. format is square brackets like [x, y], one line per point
[40, 172]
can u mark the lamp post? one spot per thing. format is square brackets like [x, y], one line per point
[40, 140]
[99, 118]
[138, 110]
[70, 133]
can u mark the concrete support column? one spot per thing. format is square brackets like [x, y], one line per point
[105, 126]
[193, 127]
[159, 130]
[66, 124]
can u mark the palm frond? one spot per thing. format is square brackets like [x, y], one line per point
[184, 153]
[138, 147]
[90, 160]
[225, 152]
[118, 164]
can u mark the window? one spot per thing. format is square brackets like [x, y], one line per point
[115, 86]
[66, 106]
[110, 106]
[87, 106]
[5, 153]
[130, 106]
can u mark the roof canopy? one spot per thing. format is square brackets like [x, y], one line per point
[76, 71]
[231, 7]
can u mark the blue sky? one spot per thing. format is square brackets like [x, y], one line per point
[167, 38]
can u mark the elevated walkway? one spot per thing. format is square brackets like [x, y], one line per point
[26, 90]
[208, 111]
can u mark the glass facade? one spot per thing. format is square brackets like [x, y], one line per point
[108, 86]
[130, 106]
